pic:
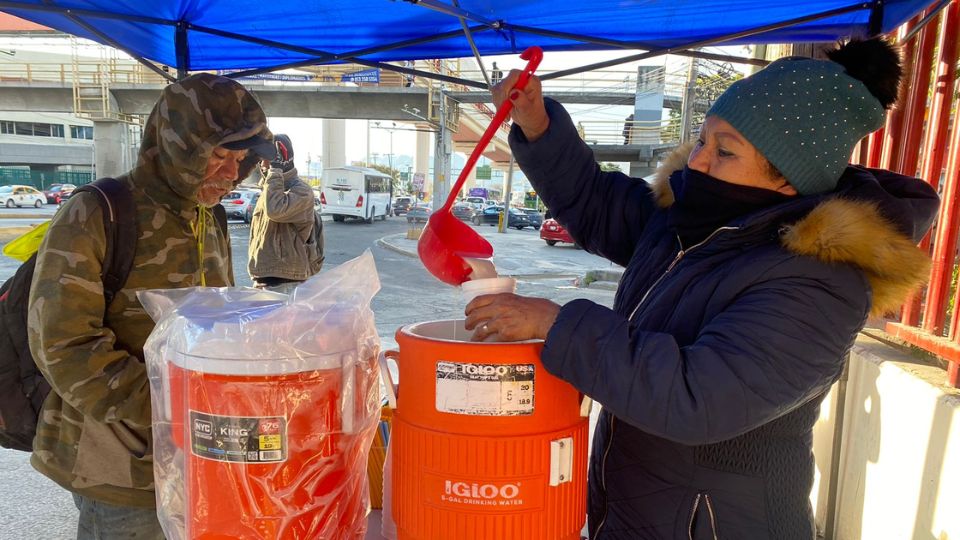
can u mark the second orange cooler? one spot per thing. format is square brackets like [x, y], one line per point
[486, 444]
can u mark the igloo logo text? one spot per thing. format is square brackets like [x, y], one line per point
[485, 369]
[481, 491]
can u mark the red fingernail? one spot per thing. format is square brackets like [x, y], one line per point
[514, 95]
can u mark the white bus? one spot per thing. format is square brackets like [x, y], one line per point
[355, 192]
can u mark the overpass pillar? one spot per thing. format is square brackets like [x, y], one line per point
[111, 141]
[334, 137]
[648, 105]
[421, 163]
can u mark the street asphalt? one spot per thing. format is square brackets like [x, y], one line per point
[34, 507]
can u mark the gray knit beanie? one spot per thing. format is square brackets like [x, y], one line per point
[805, 116]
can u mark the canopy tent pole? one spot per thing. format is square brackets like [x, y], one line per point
[875, 22]
[320, 57]
[455, 11]
[633, 44]
[182, 48]
[934, 11]
[473, 46]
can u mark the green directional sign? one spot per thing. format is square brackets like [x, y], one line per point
[483, 172]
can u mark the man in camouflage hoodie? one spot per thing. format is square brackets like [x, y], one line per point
[93, 437]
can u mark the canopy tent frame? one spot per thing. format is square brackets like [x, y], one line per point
[318, 56]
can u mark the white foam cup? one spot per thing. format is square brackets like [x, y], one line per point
[479, 287]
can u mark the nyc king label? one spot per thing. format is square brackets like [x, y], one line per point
[238, 439]
[495, 495]
[485, 389]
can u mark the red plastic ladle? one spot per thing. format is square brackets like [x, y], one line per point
[446, 240]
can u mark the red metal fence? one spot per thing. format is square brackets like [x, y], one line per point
[918, 139]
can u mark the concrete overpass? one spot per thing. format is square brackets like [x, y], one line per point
[334, 102]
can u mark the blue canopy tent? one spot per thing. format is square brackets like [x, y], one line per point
[254, 36]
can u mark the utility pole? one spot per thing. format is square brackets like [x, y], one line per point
[391, 145]
[440, 154]
[689, 101]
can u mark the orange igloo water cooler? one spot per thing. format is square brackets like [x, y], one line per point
[264, 407]
[486, 444]
[272, 447]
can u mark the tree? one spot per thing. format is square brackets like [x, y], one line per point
[607, 167]
[710, 85]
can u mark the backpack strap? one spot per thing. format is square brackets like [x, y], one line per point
[120, 227]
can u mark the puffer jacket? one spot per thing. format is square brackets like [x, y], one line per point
[282, 244]
[94, 436]
[713, 362]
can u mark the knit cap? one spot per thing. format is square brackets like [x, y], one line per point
[805, 116]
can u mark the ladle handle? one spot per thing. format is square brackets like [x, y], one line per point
[533, 56]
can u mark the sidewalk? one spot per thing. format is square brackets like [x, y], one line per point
[10, 231]
[522, 254]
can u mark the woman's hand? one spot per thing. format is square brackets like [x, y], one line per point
[528, 110]
[510, 317]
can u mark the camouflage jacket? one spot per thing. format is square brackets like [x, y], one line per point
[281, 229]
[94, 435]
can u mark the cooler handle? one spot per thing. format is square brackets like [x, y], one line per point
[387, 377]
[349, 396]
[586, 403]
[165, 393]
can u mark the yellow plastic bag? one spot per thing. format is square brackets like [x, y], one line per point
[25, 245]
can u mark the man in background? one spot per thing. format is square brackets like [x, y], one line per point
[496, 75]
[286, 235]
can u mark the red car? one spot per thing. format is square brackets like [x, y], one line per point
[552, 232]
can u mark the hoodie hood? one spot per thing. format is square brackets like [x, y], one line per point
[191, 118]
[872, 220]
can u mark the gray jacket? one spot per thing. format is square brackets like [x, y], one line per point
[281, 244]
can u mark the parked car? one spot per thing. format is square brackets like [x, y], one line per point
[491, 216]
[21, 196]
[401, 205]
[476, 202]
[535, 217]
[419, 213]
[56, 192]
[552, 232]
[236, 203]
[463, 211]
[248, 213]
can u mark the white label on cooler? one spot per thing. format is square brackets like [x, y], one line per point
[239, 439]
[485, 389]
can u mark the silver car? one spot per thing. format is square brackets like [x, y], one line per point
[236, 203]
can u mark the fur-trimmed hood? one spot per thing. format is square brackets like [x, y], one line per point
[873, 220]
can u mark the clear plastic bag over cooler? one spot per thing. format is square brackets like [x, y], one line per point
[264, 407]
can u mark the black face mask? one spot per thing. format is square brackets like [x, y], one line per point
[703, 203]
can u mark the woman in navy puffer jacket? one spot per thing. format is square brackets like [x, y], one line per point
[749, 273]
